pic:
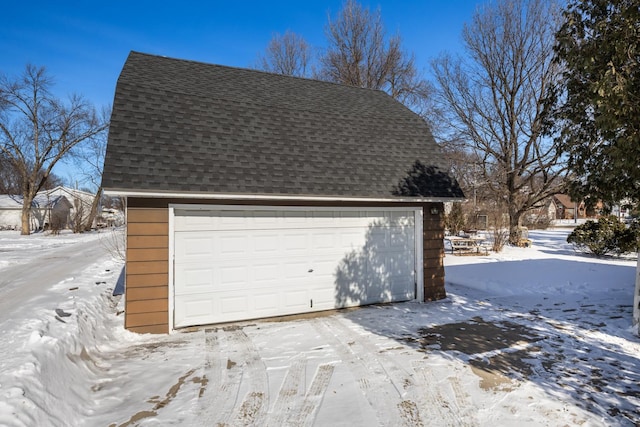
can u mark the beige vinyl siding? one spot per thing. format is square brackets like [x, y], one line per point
[147, 282]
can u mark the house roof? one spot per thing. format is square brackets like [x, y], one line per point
[8, 201]
[71, 193]
[41, 200]
[565, 200]
[182, 126]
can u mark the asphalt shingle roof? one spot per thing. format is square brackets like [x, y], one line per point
[184, 126]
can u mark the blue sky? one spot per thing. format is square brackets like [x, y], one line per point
[84, 44]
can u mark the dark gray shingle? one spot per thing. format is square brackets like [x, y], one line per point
[184, 126]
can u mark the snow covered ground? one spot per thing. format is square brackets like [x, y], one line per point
[537, 336]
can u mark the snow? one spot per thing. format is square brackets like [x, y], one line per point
[530, 336]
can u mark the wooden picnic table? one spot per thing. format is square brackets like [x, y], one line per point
[467, 244]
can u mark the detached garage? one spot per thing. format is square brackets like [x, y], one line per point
[253, 195]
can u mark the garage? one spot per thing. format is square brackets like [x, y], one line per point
[252, 195]
[236, 263]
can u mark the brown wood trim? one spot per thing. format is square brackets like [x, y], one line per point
[152, 329]
[153, 202]
[147, 280]
[147, 306]
[146, 319]
[145, 215]
[147, 267]
[147, 254]
[148, 229]
[143, 242]
[147, 293]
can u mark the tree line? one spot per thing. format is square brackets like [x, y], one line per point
[542, 99]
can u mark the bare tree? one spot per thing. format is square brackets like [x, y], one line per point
[495, 98]
[90, 162]
[359, 53]
[287, 54]
[37, 129]
[11, 179]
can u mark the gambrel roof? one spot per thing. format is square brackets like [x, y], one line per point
[187, 127]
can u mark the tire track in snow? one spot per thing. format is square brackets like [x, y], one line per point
[312, 400]
[380, 394]
[465, 406]
[289, 393]
[255, 402]
[218, 402]
[449, 411]
[401, 379]
[231, 360]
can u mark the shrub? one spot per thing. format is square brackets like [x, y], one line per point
[500, 239]
[606, 236]
[628, 240]
[454, 222]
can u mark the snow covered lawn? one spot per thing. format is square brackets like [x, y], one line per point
[537, 336]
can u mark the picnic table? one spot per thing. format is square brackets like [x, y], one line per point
[467, 244]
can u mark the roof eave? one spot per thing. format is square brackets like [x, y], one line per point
[115, 192]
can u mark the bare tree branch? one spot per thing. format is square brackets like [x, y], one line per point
[360, 54]
[38, 130]
[287, 54]
[495, 100]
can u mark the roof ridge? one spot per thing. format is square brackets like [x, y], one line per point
[255, 70]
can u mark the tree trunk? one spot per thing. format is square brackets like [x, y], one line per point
[26, 216]
[514, 225]
[636, 299]
[94, 210]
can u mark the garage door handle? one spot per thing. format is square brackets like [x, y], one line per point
[310, 270]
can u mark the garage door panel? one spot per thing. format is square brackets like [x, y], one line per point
[351, 239]
[194, 310]
[232, 244]
[297, 269]
[266, 303]
[297, 299]
[324, 240]
[244, 264]
[265, 244]
[194, 279]
[234, 305]
[191, 245]
[232, 277]
[265, 274]
[295, 243]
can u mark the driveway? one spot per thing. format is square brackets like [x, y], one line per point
[324, 370]
[478, 364]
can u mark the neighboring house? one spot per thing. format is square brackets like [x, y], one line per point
[81, 201]
[566, 208]
[541, 216]
[250, 195]
[47, 211]
[59, 208]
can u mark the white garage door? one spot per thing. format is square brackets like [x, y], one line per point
[244, 264]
